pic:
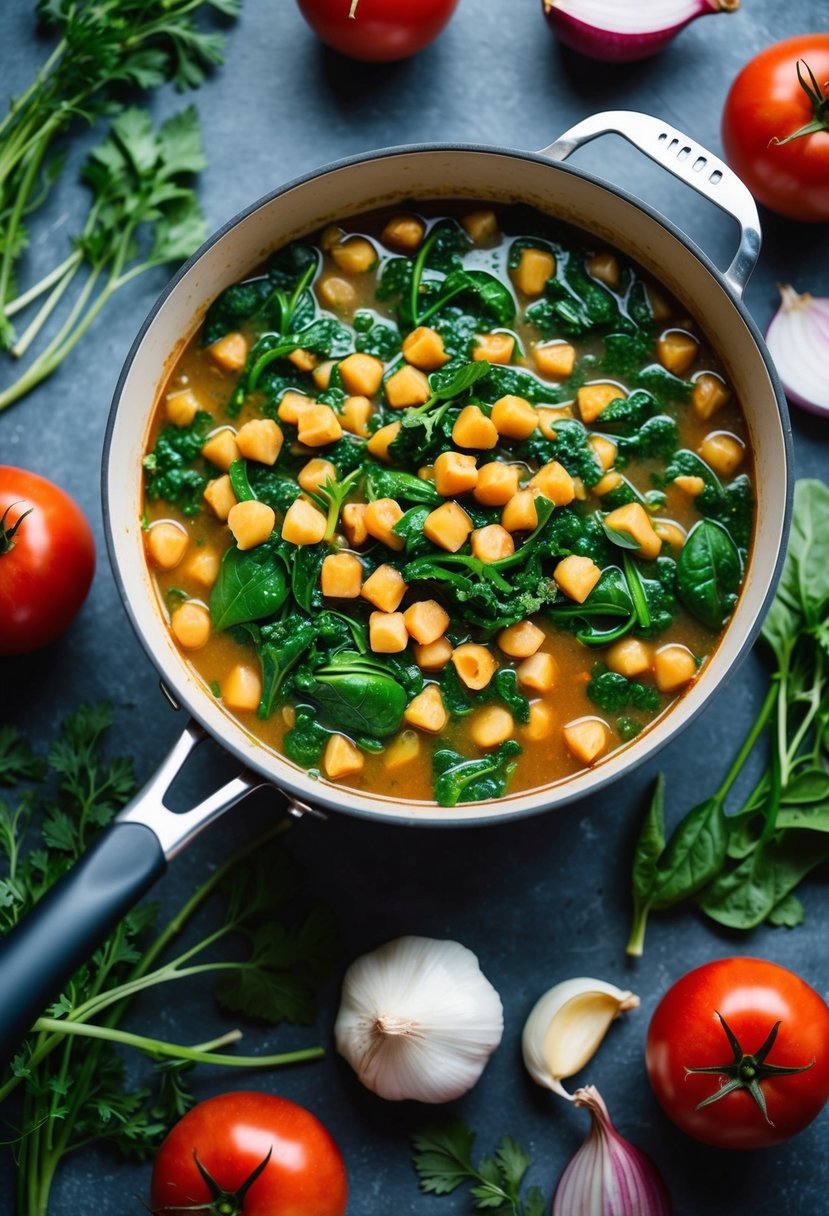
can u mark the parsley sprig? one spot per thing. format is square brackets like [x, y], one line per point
[67, 1087]
[443, 1161]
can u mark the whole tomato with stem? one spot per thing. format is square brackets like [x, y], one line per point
[47, 560]
[377, 30]
[738, 1053]
[249, 1154]
[775, 127]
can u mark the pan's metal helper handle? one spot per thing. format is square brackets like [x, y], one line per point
[688, 161]
[71, 920]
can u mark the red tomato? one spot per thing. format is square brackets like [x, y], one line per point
[378, 30]
[691, 1029]
[767, 103]
[47, 559]
[249, 1154]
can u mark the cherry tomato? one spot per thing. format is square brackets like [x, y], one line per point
[47, 559]
[720, 1069]
[767, 103]
[377, 30]
[249, 1154]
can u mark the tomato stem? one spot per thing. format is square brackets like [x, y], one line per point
[820, 106]
[7, 531]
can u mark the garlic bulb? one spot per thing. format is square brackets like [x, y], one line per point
[418, 1019]
[567, 1025]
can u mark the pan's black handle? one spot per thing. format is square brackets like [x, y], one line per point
[65, 927]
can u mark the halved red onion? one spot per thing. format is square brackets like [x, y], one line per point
[620, 32]
[798, 339]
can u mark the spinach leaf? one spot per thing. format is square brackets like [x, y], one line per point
[252, 584]
[570, 448]
[658, 436]
[804, 584]
[306, 567]
[460, 780]
[666, 388]
[325, 336]
[280, 647]
[613, 692]
[744, 896]
[625, 353]
[357, 693]
[305, 742]
[709, 572]
[382, 482]
[240, 481]
[168, 469]
[235, 305]
[374, 337]
[628, 414]
[650, 846]
[494, 297]
[504, 685]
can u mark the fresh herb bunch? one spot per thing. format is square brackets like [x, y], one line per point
[144, 214]
[66, 1087]
[443, 1161]
[742, 868]
[103, 46]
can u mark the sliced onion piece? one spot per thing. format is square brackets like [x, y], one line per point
[798, 339]
[620, 32]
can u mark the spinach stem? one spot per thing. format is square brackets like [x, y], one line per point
[748, 743]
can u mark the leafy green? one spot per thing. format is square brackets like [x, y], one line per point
[613, 692]
[709, 573]
[169, 472]
[251, 584]
[356, 692]
[458, 779]
[443, 1162]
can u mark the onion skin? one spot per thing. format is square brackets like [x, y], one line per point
[625, 46]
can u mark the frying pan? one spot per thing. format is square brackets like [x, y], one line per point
[69, 922]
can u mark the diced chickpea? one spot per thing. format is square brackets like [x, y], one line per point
[384, 588]
[520, 514]
[381, 440]
[380, 518]
[242, 688]
[555, 483]
[342, 576]
[521, 640]
[676, 350]
[586, 738]
[426, 621]
[541, 722]
[407, 387]
[404, 231]
[605, 268]
[331, 236]
[549, 415]
[402, 750]
[709, 395]
[288, 715]
[555, 359]
[455, 473]
[491, 725]
[493, 348]
[670, 533]
[318, 426]
[660, 304]
[691, 485]
[534, 268]
[303, 523]
[593, 399]
[230, 352]
[448, 526]
[167, 543]
[497, 484]
[538, 672]
[315, 474]
[181, 407]
[674, 666]
[361, 374]
[426, 711]
[423, 348]
[355, 414]
[426, 472]
[292, 405]
[577, 576]
[610, 482]
[321, 374]
[579, 490]
[481, 226]
[474, 664]
[202, 566]
[514, 417]
[219, 497]
[629, 657]
[221, 448]
[723, 452]
[260, 439]
[353, 521]
[190, 624]
[634, 519]
[604, 450]
[491, 543]
[336, 292]
[355, 255]
[434, 655]
[303, 360]
[473, 429]
[251, 523]
[341, 758]
[387, 632]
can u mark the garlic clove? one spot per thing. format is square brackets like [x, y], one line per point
[566, 1027]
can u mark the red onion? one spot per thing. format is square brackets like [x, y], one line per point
[608, 1176]
[619, 31]
[798, 339]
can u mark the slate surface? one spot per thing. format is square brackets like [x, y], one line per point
[539, 900]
